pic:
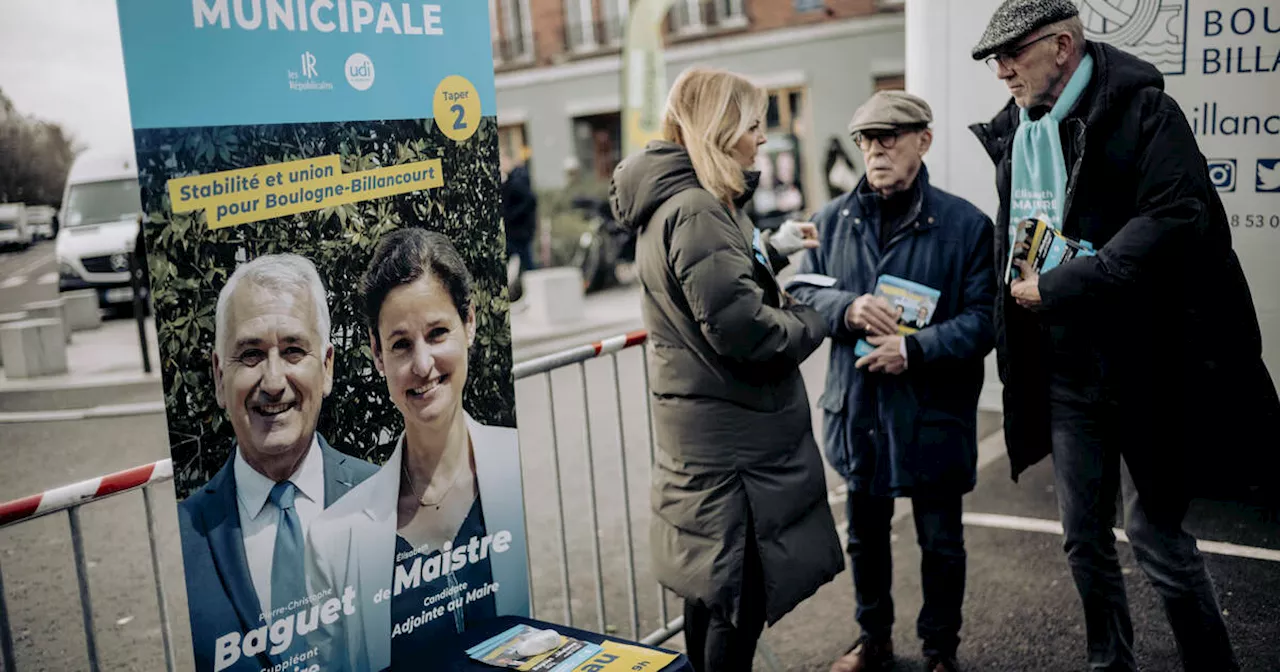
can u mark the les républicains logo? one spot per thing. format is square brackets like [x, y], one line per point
[308, 77]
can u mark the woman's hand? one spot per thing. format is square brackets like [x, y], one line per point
[794, 236]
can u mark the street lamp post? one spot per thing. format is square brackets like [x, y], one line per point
[136, 265]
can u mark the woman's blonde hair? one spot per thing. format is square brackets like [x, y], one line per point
[707, 112]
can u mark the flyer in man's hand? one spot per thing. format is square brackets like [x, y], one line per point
[1038, 243]
[913, 304]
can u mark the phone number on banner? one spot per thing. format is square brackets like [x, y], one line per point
[1256, 221]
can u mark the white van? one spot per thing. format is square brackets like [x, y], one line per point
[14, 229]
[98, 226]
[41, 217]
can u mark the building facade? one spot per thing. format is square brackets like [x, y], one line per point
[559, 80]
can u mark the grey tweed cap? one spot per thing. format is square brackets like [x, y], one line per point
[1015, 19]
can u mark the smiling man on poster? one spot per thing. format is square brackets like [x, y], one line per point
[243, 532]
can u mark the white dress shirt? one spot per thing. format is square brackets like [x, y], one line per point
[259, 517]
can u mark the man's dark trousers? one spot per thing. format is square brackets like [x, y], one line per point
[941, 537]
[1086, 429]
[524, 250]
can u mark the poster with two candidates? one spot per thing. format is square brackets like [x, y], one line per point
[319, 182]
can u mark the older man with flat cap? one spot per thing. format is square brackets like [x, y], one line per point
[1091, 142]
[901, 419]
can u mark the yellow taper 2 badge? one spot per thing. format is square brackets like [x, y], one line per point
[457, 108]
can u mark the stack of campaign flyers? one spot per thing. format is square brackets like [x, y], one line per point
[1038, 243]
[572, 655]
[912, 302]
[502, 650]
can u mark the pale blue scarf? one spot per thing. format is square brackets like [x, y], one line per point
[1039, 169]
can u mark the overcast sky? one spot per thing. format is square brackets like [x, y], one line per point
[60, 60]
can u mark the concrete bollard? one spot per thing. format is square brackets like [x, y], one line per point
[554, 295]
[53, 309]
[82, 310]
[33, 348]
[6, 318]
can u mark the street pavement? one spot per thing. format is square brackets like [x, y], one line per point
[1021, 609]
[27, 276]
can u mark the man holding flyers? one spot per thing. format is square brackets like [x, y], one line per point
[901, 421]
[243, 532]
[1090, 136]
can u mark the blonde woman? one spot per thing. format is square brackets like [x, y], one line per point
[741, 527]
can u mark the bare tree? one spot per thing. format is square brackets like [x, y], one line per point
[35, 157]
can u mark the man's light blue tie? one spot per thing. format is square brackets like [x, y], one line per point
[287, 579]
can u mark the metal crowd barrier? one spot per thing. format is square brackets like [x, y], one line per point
[70, 498]
[579, 356]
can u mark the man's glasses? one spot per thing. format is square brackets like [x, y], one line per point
[887, 139]
[1007, 58]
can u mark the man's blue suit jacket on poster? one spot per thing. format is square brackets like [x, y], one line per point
[220, 594]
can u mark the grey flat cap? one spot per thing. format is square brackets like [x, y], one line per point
[888, 110]
[1015, 19]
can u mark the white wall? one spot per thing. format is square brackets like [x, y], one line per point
[941, 33]
[961, 92]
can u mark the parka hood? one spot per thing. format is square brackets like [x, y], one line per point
[642, 183]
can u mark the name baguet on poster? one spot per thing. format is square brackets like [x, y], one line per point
[320, 186]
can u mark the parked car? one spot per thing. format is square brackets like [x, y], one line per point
[41, 219]
[101, 207]
[14, 229]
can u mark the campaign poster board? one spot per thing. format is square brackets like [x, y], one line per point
[345, 454]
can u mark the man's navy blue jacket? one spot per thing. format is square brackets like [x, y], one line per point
[915, 432]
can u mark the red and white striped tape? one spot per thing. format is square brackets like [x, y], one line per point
[84, 492]
[579, 353]
[620, 342]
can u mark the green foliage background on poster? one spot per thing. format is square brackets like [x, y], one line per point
[189, 264]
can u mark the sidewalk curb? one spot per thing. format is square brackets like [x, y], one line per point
[71, 383]
[1054, 527]
[106, 411]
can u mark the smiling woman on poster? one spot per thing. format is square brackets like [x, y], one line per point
[434, 541]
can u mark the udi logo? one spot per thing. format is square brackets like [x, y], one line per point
[359, 71]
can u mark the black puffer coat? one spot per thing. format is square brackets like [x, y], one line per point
[1161, 321]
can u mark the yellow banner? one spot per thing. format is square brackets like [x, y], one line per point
[644, 75]
[245, 195]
